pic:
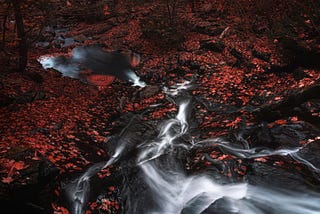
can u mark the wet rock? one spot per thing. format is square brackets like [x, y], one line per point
[261, 136]
[34, 195]
[288, 135]
[261, 55]
[269, 175]
[80, 38]
[47, 171]
[149, 91]
[41, 130]
[68, 42]
[299, 54]
[220, 206]
[259, 29]
[238, 55]
[193, 65]
[299, 74]
[217, 46]
[311, 154]
[280, 69]
[33, 76]
[297, 104]
[5, 100]
[42, 44]
[207, 30]
[58, 126]
[30, 96]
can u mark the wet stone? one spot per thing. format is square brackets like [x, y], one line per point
[212, 46]
[261, 55]
[268, 175]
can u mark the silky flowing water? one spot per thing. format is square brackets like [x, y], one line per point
[155, 179]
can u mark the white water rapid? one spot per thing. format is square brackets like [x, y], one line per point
[175, 192]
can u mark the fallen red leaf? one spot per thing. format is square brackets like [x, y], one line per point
[7, 180]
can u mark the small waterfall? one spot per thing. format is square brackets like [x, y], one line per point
[170, 190]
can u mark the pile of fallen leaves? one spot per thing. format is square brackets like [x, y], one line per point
[68, 123]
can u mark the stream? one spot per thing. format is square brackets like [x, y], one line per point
[152, 161]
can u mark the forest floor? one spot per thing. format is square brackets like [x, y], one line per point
[54, 126]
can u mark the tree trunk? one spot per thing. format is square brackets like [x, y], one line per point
[23, 49]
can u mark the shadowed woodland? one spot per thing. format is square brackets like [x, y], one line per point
[250, 69]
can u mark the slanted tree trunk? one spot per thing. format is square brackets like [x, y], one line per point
[23, 49]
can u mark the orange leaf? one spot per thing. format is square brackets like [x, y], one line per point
[70, 136]
[106, 10]
[7, 180]
[263, 160]
[68, 3]
[280, 122]
[19, 165]
[95, 132]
